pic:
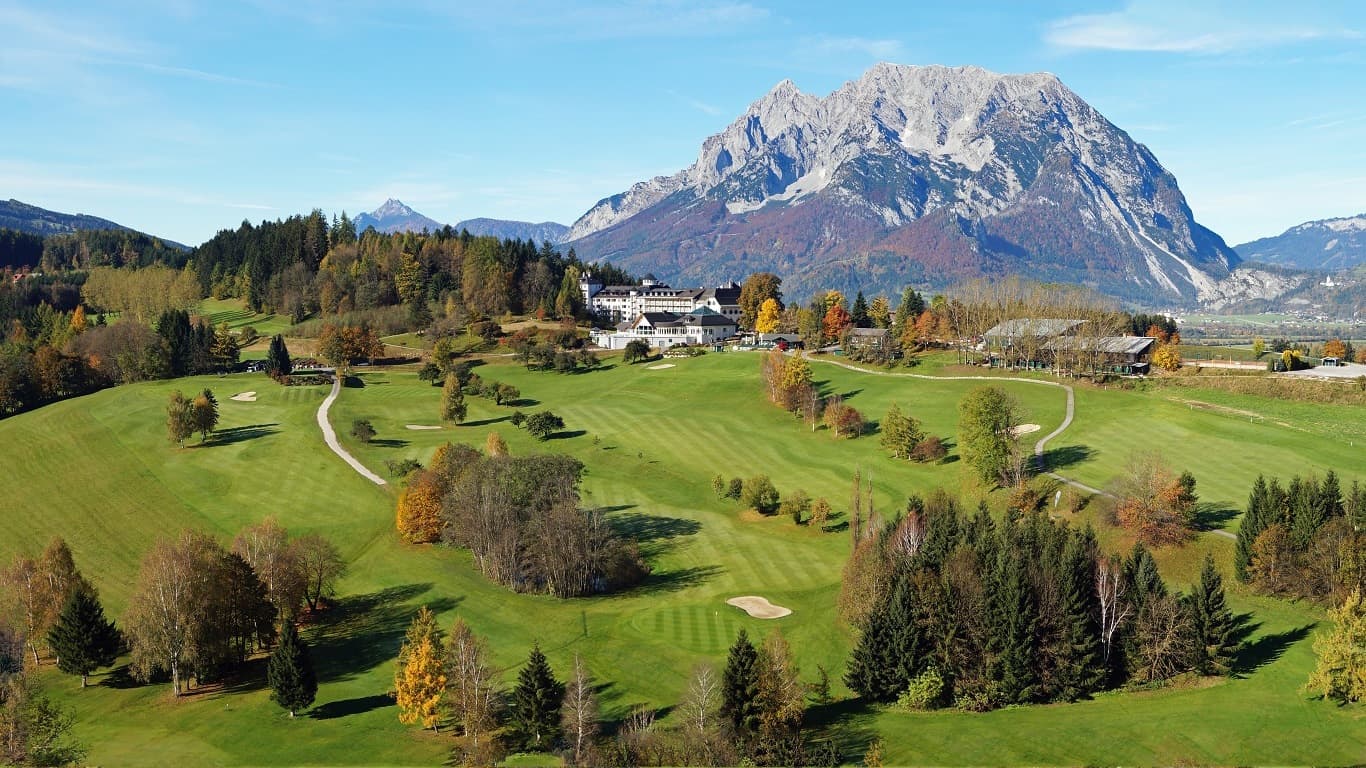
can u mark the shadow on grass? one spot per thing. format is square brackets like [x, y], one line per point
[389, 443]
[364, 631]
[848, 723]
[1211, 516]
[346, 707]
[485, 422]
[568, 434]
[674, 581]
[524, 402]
[242, 434]
[646, 528]
[120, 678]
[1066, 456]
[851, 394]
[1264, 650]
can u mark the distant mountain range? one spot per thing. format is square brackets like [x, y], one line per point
[921, 175]
[394, 216]
[1327, 244]
[23, 217]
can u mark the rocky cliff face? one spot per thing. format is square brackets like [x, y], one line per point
[916, 174]
[1329, 244]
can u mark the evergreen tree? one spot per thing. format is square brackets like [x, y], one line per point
[83, 639]
[859, 314]
[1145, 582]
[536, 702]
[277, 358]
[740, 687]
[293, 685]
[912, 304]
[891, 649]
[1212, 623]
[1015, 619]
[1255, 520]
[1330, 495]
[1080, 670]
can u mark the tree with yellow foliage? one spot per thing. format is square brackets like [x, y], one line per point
[767, 322]
[78, 321]
[495, 445]
[1341, 671]
[419, 508]
[420, 678]
[1335, 348]
[1167, 357]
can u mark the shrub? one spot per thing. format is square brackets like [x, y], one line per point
[735, 487]
[926, 691]
[401, 467]
[362, 430]
[844, 420]
[758, 492]
[928, 450]
[517, 418]
[797, 504]
[718, 486]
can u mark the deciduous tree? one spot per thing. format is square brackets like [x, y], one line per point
[767, 321]
[321, 566]
[1340, 674]
[180, 421]
[453, 406]
[987, 420]
[472, 685]
[420, 676]
[579, 712]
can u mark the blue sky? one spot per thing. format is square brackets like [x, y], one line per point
[182, 117]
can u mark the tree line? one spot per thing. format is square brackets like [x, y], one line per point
[84, 250]
[750, 712]
[520, 517]
[1303, 539]
[960, 610]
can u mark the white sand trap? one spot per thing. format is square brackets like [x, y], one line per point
[421, 426]
[1024, 429]
[660, 367]
[759, 607]
[244, 397]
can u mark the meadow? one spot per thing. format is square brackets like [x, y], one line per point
[99, 471]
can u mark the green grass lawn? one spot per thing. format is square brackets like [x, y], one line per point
[234, 312]
[99, 471]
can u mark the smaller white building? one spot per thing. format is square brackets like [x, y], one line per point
[666, 329]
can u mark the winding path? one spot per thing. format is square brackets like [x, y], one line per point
[1038, 446]
[330, 436]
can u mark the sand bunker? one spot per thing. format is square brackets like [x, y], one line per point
[759, 607]
[1024, 429]
[421, 426]
[244, 397]
[660, 367]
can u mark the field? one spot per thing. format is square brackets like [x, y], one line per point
[99, 471]
[235, 313]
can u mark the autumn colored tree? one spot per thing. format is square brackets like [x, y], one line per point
[842, 419]
[880, 312]
[758, 288]
[767, 321]
[1335, 348]
[1167, 357]
[276, 561]
[166, 612]
[780, 699]
[495, 445]
[1340, 674]
[1154, 502]
[420, 676]
[453, 406]
[833, 325]
[419, 508]
[900, 433]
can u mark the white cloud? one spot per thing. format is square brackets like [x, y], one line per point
[882, 50]
[1145, 25]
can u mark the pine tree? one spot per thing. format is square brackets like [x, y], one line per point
[1145, 582]
[1255, 520]
[1016, 618]
[83, 639]
[293, 685]
[536, 702]
[1212, 623]
[859, 314]
[740, 687]
[277, 358]
[1080, 670]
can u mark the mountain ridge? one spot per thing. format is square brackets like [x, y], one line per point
[1334, 244]
[920, 175]
[26, 217]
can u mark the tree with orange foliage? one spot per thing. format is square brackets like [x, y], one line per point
[836, 320]
[1155, 331]
[1155, 503]
[419, 508]
[1335, 348]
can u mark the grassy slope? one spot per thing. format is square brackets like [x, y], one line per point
[235, 313]
[662, 434]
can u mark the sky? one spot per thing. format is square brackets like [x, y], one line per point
[182, 117]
